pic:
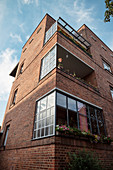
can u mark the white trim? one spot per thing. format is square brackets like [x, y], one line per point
[69, 95]
[75, 56]
[48, 51]
[46, 94]
[79, 98]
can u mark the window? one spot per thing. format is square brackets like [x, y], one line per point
[103, 47]
[14, 97]
[44, 118]
[6, 135]
[48, 62]
[50, 32]
[106, 66]
[79, 115]
[93, 38]
[24, 50]
[65, 110]
[39, 30]
[111, 89]
[21, 68]
[31, 41]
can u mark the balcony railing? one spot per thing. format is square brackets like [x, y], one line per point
[66, 30]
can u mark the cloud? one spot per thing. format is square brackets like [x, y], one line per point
[37, 3]
[8, 61]
[2, 10]
[30, 2]
[27, 37]
[16, 37]
[81, 12]
[26, 2]
[22, 27]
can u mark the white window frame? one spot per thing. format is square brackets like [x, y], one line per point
[48, 62]
[6, 135]
[106, 66]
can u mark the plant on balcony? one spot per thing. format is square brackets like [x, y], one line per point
[73, 40]
[63, 129]
[60, 65]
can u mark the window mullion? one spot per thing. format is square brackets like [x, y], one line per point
[97, 122]
[89, 119]
[77, 116]
[67, 111]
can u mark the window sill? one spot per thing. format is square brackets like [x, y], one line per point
[77, 137]
[108, 72]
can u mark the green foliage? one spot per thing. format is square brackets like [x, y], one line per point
[109, 10]
[84, 161]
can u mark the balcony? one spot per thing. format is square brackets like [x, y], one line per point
[68, 32]
[75, 67]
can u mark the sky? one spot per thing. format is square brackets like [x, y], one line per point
[19, 18]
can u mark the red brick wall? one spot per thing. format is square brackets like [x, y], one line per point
[20, 149]
[38, 157]
[65, 145]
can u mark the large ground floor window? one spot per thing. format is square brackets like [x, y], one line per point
[59, 108]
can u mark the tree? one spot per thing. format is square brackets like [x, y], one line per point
[109, 10]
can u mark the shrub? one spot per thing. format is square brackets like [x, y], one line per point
[84, 161]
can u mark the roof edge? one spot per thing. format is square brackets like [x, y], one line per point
[95, 35]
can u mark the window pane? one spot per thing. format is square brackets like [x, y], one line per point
[81, 108]
[72, 119]
[92, 111]
[50, 32]
[51, 130]
[34, 135]
[43, 104]
[83, 123]
[94, 126]
[61, 100]
[42, 132]
[51, 100]
[48, 112]
[72, 104]
[14, 97]
[101, 127]
[46, 131]
[38, 134]
[111, 89]
[106, 66]
[61, 117]
[99, 114]
[6, 135]
[38, 107]
[48, 62]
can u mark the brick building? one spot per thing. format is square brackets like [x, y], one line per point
[64, 77]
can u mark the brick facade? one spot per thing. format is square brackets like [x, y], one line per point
[21, 151]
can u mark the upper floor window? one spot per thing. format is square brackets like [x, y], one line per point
[31, 40]
[50, 32]
[21, 68]
[48, 62]
[111, 89]
[103, 47]
[14, 97]
[106, 66]
[93, 38]
[6, 135]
